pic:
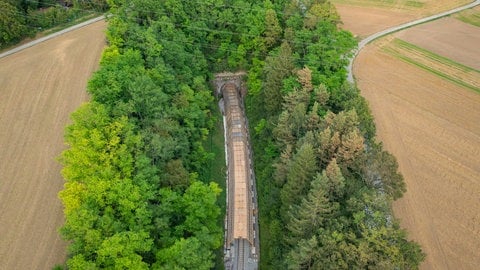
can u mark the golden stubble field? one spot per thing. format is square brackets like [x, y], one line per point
[40, 87]
[432, 126]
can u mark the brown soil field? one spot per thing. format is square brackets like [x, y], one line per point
[432, 126]
[40, 87]
[447, 37]
[364, 18]
[364, 21]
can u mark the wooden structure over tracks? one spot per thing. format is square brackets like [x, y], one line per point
[241, 227]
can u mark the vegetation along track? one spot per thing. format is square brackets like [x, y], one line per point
[390, 30]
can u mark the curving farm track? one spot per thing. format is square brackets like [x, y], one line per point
[40, 87]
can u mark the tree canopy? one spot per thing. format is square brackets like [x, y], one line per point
[21, 18]
[325, 185]
[137, 194]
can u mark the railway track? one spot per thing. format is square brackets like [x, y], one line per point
[241, 236]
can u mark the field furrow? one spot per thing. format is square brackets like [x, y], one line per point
[434, 63]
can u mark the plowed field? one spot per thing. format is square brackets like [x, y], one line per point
[40, 87]
[448, 37]
[432, 126]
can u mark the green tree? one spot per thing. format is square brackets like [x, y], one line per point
[201, 212]
[304, 255]
[106, 210]
[333, 182]
[122, 251]
[306, 218]
[184, 254]
[273, 30]
[380, 170]
[277, 68]
[175, 175]
[300, 172]
[99, 5]
[12, 24]
[78, 262]
[110, 84]
[383, 245]
[321, 10]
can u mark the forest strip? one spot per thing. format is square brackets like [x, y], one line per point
[137, 189]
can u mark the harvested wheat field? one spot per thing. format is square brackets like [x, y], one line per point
[366, 17]
[431, 124]
[40, 87]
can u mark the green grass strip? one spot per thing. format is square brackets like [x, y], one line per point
[416, 4]
[473, 18]
[433, 71]
[366, 3]
[217, 172]
[407, 4]
[434, 56]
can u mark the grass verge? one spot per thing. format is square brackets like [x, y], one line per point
[46, 32]
[367, 3]
[402, 4]
[470, 16]
[414, 7]
[415, 4]
[440, 66]
[217, 171]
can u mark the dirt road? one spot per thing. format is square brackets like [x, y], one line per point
[40, 87]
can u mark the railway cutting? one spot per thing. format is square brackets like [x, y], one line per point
[241, 246]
